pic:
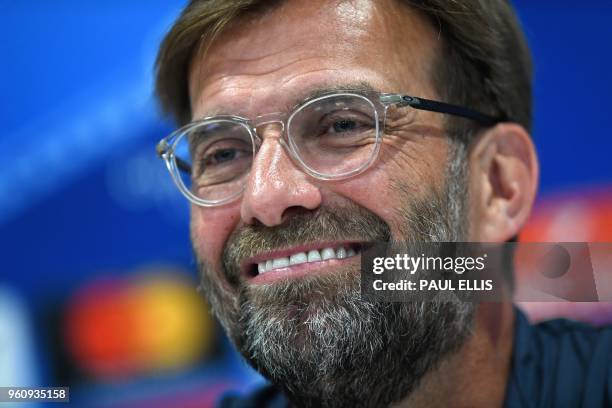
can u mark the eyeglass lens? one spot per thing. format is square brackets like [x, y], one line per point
[332, 136]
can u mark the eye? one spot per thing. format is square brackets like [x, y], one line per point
[221, 156]
[344, 125]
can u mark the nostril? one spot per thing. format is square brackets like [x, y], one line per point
[298, 212]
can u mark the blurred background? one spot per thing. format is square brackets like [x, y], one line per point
[97, 279]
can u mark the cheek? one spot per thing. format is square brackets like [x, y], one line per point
[210, 229]
[417, 170]
[417, 163]
[371, 191]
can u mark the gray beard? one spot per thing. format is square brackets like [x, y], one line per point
[324, 346]
[314, 337]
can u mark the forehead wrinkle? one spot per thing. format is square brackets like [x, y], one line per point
[223, 54]
[221, 76]
[225, 88]
[227, 66]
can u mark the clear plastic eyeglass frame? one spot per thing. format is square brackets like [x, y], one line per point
[380, 102]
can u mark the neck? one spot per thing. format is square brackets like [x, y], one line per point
[477, 375]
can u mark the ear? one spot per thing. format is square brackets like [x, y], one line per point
[504, 174]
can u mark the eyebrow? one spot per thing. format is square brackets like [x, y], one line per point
[361, 86]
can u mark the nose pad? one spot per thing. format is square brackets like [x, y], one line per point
[272, 126]
[262, 123]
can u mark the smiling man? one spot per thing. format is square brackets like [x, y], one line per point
[315, 128]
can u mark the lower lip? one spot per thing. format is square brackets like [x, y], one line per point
[303, 269]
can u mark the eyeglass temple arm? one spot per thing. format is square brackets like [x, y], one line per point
[441, 107]
[182, 165]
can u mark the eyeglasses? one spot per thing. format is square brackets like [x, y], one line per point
[331, 137]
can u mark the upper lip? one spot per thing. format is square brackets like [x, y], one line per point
[248, 263]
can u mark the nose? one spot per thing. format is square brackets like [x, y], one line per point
[275, 184]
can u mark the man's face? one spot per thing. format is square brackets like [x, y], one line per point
[267, 63]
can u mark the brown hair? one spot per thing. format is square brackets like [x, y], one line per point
[485, 64]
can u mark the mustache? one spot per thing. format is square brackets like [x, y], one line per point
[348, 222]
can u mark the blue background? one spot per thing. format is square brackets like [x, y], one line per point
[82, 193]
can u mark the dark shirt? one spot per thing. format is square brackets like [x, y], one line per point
[558, 363]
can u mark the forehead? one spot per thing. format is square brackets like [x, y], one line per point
[265, 61]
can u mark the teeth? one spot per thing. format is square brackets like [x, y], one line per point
[303, 257]
[300, 258]
[314, 256]
[280, 263]
[328, 253]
